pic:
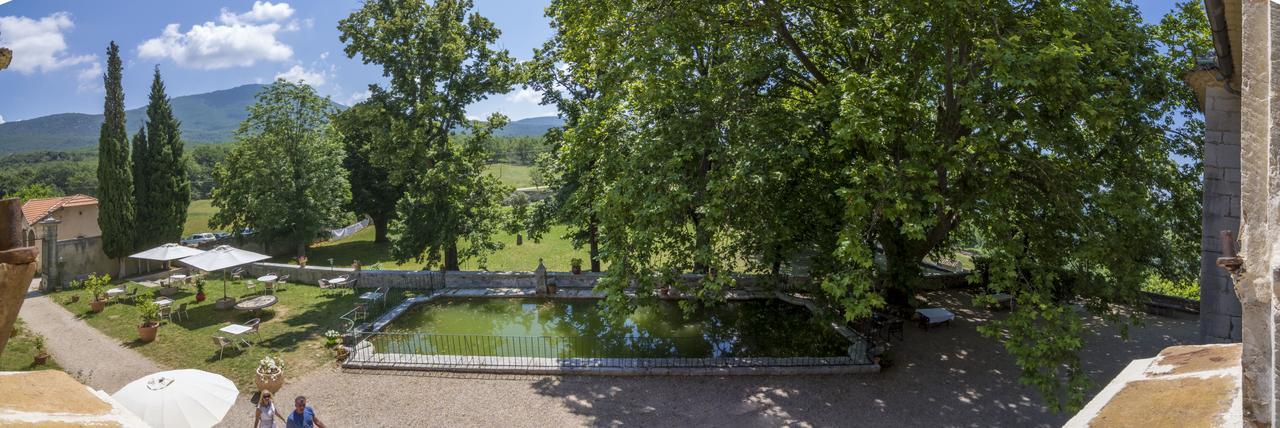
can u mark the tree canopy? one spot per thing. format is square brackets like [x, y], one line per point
[851, 139]
[439, 59]
[284, 176]
[115, 169]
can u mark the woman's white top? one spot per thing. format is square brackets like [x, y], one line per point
[267, 416]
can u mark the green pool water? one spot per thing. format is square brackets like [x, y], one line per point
[580, 328]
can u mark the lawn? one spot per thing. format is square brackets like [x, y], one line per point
[516, 176]
[555, 251]
[198, 214]
[292, 329]
[19, 352]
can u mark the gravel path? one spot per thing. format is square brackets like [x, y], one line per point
[948, 376]
[103, 363]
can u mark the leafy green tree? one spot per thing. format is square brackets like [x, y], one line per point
[518, 218]
[169, 188]
[438, 59]
[284, 176]
[145, 196]
[365, 127]
[201, 162]
[35, 191]
[115, 170]
[853, 138]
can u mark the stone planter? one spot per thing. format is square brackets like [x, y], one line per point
[97, 306]
[147, 332]
[224, 303]
[268, 381]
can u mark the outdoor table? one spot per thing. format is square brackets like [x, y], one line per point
[178, 278]
[164, 301]
[934, 316]
[338, 281]
[257, 302]
[114, 291]
[237, 330]
[268, 278]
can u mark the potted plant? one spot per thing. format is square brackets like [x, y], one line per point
[149, 311]
[301, 261]
[270, 374]
[340, 353]
[41, 354]
[96, 286]
[332, 338]
[355, 266]
[200, 290]
[577, 266]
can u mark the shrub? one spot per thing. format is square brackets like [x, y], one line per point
[1186, 289]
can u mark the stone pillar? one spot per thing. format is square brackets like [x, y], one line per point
[1260, 206]
[540, 278]
[1219, 308]
[49, 254]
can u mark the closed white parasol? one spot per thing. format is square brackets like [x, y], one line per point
[179, 398]
[167, 252]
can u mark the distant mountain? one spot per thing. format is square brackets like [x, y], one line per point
[530, 127]
[206, 118]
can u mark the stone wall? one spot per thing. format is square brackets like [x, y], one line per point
[1220, 313]
[84, 256]
[465, 279]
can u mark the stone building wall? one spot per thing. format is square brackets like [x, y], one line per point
[1219, 307]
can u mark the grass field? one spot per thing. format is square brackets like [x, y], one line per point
[516, 176]
[198, 214]
[293, 329]
[555, 252]
[19, 352]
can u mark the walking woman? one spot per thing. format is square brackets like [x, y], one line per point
[265, 416]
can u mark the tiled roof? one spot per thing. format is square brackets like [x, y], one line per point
[37, 209]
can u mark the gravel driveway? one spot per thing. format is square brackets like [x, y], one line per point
[948, 376]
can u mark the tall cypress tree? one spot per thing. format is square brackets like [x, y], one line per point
[144, 206]
[170, 191]
[115, 179]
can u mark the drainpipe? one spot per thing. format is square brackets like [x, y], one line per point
[1221, 42]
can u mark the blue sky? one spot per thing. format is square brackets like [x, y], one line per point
[204, 46]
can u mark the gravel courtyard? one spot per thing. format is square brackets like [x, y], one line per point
[949, 376]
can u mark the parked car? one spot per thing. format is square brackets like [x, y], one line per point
[221, 235]
[199, 238]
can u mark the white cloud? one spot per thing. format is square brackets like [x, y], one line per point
[237, 40]
[357, 97]
[261, 12]
[1, 119]
[525, 95]
[90, 78]
[298, 74]
[324, 56]
[38, 44]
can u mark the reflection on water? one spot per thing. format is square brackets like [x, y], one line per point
[578, 328]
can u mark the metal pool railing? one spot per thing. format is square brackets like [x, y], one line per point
[414, 350]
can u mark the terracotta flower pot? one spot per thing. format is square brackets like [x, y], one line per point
[269, 382]
[147, 332]
[199, 297]
[97, 306]
[577, 270]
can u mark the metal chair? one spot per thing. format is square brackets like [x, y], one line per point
[248, 285]
[253, 326]
[181, 313]
[237, 274]
[281, 282]
[222, 343]
[166, 312]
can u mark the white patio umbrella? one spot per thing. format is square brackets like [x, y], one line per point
[223, 257]
[179, 398]
[167, 252]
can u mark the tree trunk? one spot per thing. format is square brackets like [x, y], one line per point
[593, 238]
[519, 239]
[451, 256]
[380, 230]
[902, 264]
[302, 249]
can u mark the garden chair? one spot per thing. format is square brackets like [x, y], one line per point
[281, 282]
[222, 343]
[237, 274]
[253, 326]
[166, 312]
[248, 285]
[181, 313]
[269, 287]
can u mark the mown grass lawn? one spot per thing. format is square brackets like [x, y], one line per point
[555, 251]
[516, 176]
[293, 329]
[19, 353]
[198, 214]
